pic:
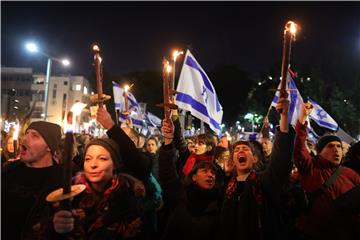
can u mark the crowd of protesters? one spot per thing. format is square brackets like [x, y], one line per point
[169, 187]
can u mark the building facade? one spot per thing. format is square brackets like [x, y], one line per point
[15, 91]
[64, 91]
[23, 91]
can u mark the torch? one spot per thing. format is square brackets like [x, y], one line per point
[15, 138]
[126, 111]
[100, 98]
[166, 91]
[176, 53]
[289, 36]
[68, 191]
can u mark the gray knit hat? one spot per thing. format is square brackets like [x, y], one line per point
[111, 146]
[50, 132]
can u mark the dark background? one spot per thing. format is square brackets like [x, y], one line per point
[238, 44]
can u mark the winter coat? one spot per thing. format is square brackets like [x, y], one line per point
[108, 215]
[194, 212]
[251, 208]
[314, 172]
[23, 193]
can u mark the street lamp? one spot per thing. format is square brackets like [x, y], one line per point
[33, 48]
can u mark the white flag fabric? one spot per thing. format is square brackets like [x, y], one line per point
[295, 100]
[135, 113]
[195, 93]
[318, 114]
[153, 120]
[321, 117]
[118, 96]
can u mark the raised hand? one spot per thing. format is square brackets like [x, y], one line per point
[283, 103]
[167, 130]
[104, 118]
[306, 109]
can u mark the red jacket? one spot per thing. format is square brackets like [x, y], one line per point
[314, 172]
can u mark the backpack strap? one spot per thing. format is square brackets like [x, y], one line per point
[312, 195]
[331, 179]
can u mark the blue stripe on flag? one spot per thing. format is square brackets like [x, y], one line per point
[293, 100]
[192, 63]
[197, 106]
[135, 121]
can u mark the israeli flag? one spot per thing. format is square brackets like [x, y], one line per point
[195, 93]
[135, 113]
[153, 119]
[118, 96]
[322, 118]
[294, 97]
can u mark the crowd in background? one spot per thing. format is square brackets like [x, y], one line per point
[169, 187]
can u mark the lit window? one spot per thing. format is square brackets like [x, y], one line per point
[85, 90]
[78, 87]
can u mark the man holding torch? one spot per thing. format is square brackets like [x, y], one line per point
[25, 183]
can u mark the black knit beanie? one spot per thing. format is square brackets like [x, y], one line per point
[111, 146]
[50, 132]
[325, 140]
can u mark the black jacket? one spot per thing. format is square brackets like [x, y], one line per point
[251, 209]
[194, 212]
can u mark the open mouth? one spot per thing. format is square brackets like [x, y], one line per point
[242, 159]
[23, 149]
[210, 181]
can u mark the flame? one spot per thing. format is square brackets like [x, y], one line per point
[16, 132]
[77, 108]
[292, 27]
[176, 53]
[96, 48]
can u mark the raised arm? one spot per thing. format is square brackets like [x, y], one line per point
[169, 179]
[303, 159]
[278, 171]
[135, 163]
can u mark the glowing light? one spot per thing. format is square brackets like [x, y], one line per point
[31, 47]
[77, 108]
[176, 53]
[65, 62]
[126, 88]
[96, 48]
[16, 131]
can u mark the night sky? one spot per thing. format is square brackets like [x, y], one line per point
[134, 36]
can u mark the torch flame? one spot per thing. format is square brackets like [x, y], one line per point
[168, 68]
[96, 48]
[176, 53]
[292, 27]
[16, 132]
[126, 88]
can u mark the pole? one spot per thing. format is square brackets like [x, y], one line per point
[288, 38]
[48, 73]
[202, 127]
